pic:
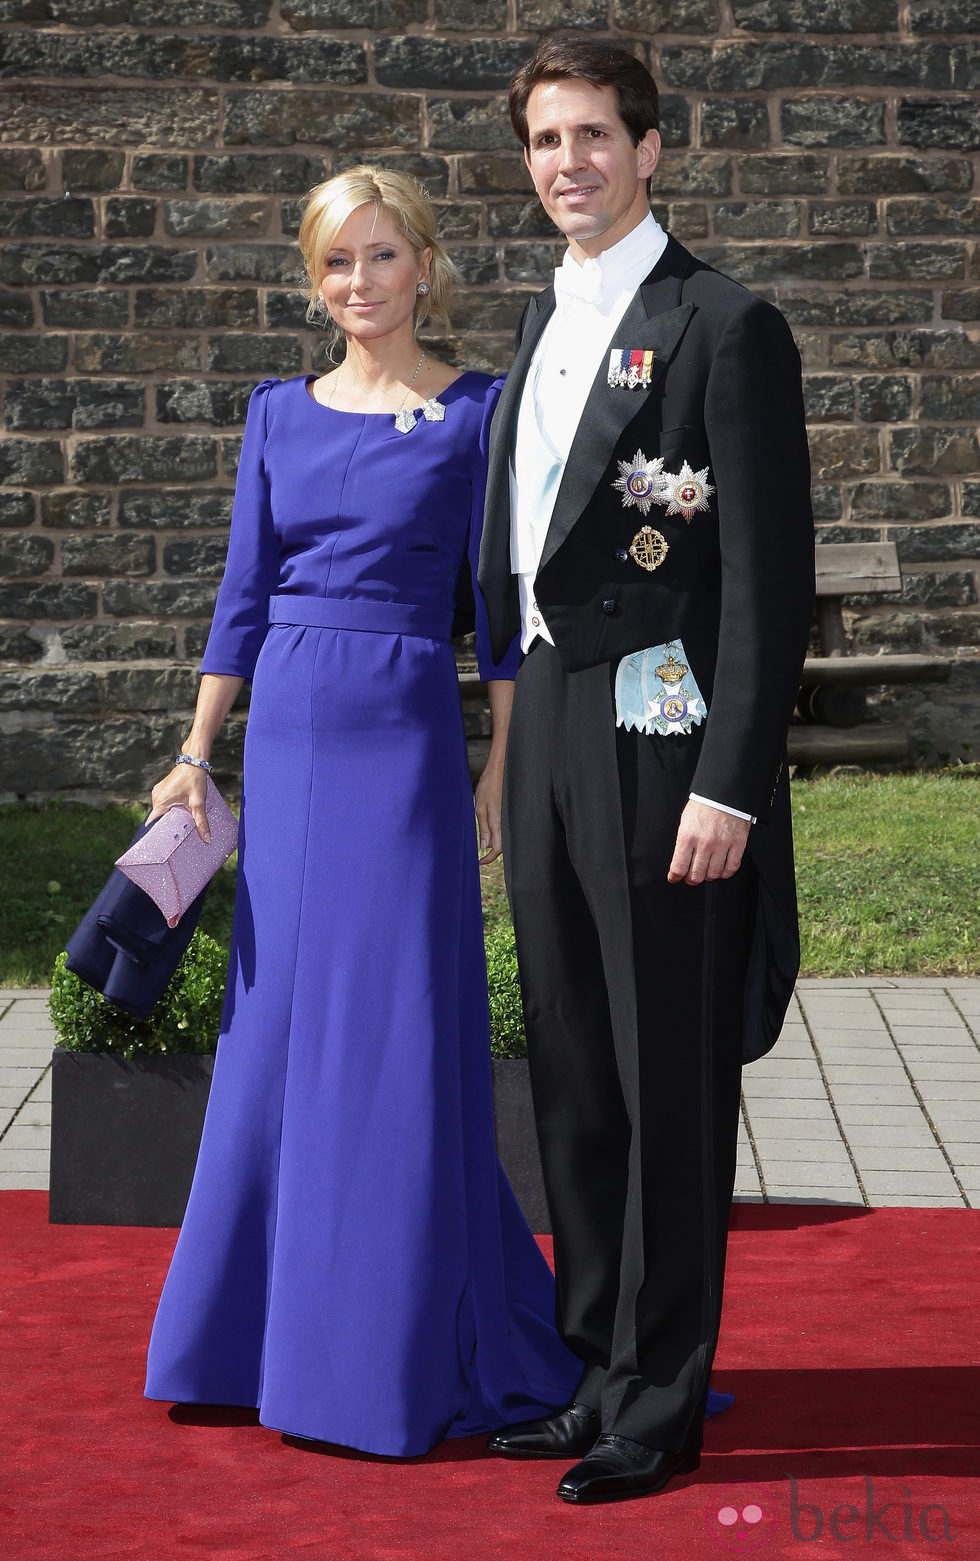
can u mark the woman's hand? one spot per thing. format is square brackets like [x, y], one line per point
[489, 791]
[185, 787]
[490, 786]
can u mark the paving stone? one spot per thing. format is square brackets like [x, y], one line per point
[934, 1022]
[925, 1184]
[769, 1132]
[858, 1073]
[14, 1078]
[957, 1119]
[858, 1095]
[869, 1135]
[22, 1181]
[25, 1135]
[21, 1056]
[35, 1114]
[923, 1034]
[808, 1173]
[873, 1160]
[808, 1089]
[792, 1048]
[789, 1109]
[915, 1201]
[866, 1055]
[19, 1159]
[956, 1052]
[930, 1038]
[818, 1193]
[873, 1112]
[961, 1152]
[775, 1151]
[967, 1075]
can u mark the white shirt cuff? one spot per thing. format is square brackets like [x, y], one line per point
[722, 808]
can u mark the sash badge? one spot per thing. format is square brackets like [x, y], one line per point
[656, 693]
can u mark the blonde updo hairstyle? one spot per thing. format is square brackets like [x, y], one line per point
[328, 207]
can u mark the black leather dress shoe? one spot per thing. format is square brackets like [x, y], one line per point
[566, 1434]
[616, 1468]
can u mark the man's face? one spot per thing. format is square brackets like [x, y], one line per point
[590, 178]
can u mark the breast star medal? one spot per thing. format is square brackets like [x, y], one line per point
[656, 694]
[640, 482]
[685, 492]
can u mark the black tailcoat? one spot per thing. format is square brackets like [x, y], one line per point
[737, 583]
[641, 998]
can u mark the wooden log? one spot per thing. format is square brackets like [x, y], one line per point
[875, 669]
[857, 568]
[885, 742]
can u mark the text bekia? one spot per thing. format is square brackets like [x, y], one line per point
[895, 1520]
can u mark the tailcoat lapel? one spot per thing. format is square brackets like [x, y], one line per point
[656, 320]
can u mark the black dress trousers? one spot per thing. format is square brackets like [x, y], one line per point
[633, 993]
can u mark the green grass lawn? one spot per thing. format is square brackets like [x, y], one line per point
[888, 867]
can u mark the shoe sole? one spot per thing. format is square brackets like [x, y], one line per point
[587, 1499]
[520, 1452]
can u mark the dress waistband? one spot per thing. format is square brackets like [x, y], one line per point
[334, 612]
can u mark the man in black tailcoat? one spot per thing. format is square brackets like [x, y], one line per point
[649, 534]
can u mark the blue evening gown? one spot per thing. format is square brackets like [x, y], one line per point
[352, 1261]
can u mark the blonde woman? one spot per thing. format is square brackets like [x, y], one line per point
[352, 1261]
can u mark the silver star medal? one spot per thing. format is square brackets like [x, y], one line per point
[685, 492]
[659, 699]
[640, 482]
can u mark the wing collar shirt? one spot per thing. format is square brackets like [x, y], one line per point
[590, 299]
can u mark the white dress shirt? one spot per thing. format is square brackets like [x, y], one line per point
[591, 299]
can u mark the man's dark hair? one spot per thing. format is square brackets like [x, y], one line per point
[600, 64]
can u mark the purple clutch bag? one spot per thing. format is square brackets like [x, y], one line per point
[171, 862]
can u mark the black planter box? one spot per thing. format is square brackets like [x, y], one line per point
[125, 1135]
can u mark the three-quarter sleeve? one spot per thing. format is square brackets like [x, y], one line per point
[506, 667]
[241, 614]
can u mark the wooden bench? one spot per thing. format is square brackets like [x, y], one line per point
[831, 725]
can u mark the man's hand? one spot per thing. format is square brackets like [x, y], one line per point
[709, 845]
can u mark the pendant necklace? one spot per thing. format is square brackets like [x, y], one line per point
[405, 421]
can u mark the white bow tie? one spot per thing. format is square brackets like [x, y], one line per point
[578, 284]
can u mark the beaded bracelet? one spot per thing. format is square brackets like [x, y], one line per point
[199, 764]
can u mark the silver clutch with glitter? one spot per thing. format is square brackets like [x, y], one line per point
[172, 864]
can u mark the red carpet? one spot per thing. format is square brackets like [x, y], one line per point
[850, 1340]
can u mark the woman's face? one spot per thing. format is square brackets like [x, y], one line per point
[370, 275]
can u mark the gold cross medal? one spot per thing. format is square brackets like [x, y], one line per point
[656, 693]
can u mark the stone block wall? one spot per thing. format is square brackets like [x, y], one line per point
[153, 159]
